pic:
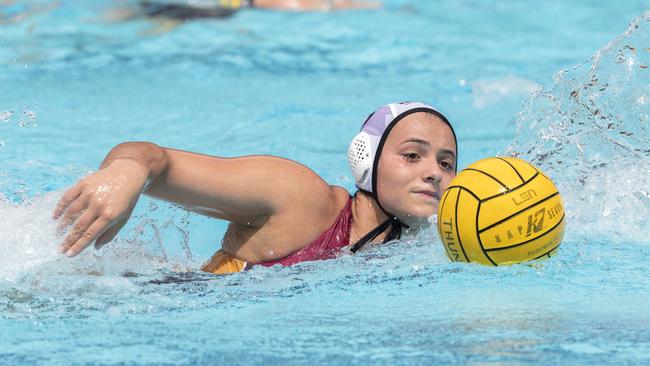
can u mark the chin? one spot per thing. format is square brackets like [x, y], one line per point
[415, 212]
[419, 218]
[416, 222]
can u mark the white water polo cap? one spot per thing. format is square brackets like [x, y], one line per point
[366, 147]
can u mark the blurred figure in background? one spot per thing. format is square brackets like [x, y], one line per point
[185, 9]
[12, 11]
[170, 13]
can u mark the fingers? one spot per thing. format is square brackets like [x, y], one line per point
[88, 236]
[73, 211]
[85, 228]
[108, 235]
[67, 198]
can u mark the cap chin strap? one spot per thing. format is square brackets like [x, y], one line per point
[393, 222]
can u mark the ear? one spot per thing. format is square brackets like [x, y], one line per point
[360, 159]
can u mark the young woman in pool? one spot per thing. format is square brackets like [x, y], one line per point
[181, 10]
[216, 8]
[169, 14]
[280, 212]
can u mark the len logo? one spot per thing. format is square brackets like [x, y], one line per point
[524, 196]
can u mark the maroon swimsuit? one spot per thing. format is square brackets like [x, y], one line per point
[327, 245]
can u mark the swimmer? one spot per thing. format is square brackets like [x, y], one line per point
[169, 14]
[187, 9]
[13, 12]
[280, 212]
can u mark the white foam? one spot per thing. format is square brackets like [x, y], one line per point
[486, 92]
[28, 235]
[30, 239]
[590, 133]
[612, 201]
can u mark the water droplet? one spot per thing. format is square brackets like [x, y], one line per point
[5, 116]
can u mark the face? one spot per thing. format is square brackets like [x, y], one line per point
[416, 165]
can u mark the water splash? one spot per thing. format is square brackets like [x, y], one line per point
[5, 116]
[590, 133]
[24, 238]
[172, 231]
[26, 117]
[30, 239]
[486, 92]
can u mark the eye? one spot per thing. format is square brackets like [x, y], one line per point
[411, 157]
[447, 165]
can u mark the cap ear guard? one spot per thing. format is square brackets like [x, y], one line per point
[361, 159]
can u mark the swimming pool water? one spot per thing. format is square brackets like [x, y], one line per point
[299, 85]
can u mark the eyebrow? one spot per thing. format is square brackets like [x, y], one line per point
[423, 142]
[417, 141]
[445, 151]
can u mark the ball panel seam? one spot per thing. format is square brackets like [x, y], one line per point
[460, 242]
[548, 252]
[511, 190]
[513, 168]
[516, 213]
[441, 210]
[529, 240]
[489, 175]
[478, 236]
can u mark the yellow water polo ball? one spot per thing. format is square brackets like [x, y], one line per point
[500, 211]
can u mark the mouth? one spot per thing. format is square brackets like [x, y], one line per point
[429, 195]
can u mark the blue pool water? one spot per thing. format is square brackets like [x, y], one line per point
[298, 85]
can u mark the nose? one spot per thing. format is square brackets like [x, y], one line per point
[433, 174]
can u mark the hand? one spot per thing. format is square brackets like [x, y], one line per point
[99, 205]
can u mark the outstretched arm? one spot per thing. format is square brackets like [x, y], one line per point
[245, 190]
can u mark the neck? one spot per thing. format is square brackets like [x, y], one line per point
[366, 215]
